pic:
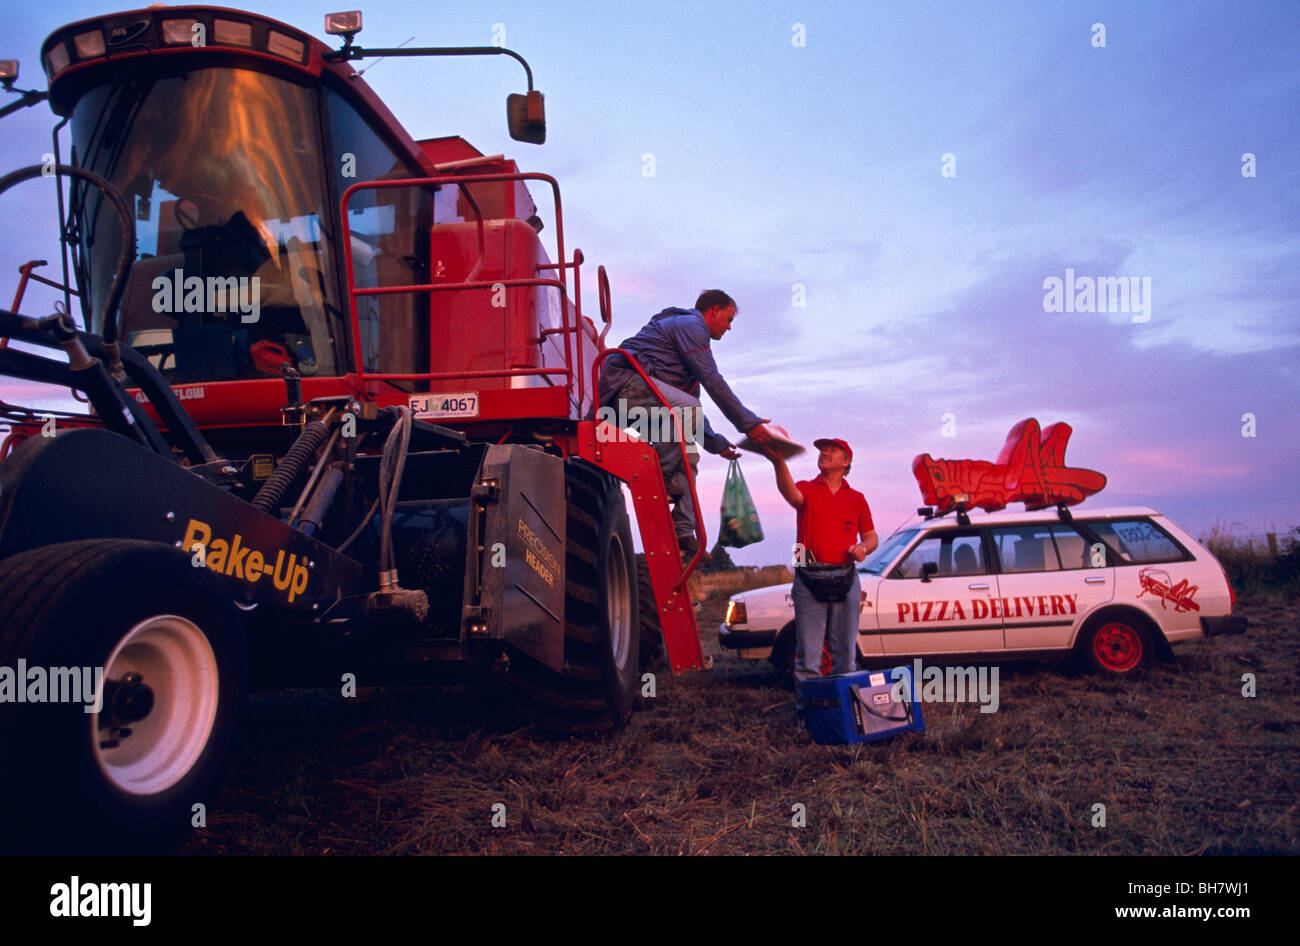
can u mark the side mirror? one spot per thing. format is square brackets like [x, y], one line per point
[928, 569]
[526, 117]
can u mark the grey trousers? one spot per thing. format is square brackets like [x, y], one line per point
[810, 622]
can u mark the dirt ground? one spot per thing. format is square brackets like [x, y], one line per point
[715, 764]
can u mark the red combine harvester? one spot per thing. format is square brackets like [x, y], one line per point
[335, 432]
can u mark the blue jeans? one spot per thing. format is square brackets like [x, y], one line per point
[810, 626]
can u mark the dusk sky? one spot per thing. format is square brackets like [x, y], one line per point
[885, 188]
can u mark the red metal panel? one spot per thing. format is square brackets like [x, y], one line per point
[257, 402]
[470, 331]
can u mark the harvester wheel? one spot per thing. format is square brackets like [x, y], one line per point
[598, 685]
[653, 655]
[133, 767]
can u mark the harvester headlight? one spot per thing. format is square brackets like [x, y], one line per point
[285, 46]
[232, 33]
[8, 72]
[56, 60]
[178, 32]
[343, 24]
[89, 45]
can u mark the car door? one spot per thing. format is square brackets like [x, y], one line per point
[1050, 576]
[937, 600]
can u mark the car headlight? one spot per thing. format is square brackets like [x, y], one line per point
[736, 613]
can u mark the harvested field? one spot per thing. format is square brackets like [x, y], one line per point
[715, 764]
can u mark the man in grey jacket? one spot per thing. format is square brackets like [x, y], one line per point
[673, 349]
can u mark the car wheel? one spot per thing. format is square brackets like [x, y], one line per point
[167, 643]
[1117, 646]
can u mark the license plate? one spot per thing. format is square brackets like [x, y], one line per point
[444, 406]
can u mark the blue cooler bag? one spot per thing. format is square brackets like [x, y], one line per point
[860, 707]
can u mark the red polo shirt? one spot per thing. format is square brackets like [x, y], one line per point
[831, 522]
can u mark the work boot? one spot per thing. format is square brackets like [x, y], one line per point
[689, 545]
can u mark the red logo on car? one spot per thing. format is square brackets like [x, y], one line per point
[1158, 582]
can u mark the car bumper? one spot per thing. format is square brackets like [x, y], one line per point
[734, 639]
[1228, 624]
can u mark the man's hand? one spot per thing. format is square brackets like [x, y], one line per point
[761, 434]
[731, 453]
[859, 552]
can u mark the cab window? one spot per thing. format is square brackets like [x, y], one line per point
[955, 552]
[388, 232]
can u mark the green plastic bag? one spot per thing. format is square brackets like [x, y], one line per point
[740, 525]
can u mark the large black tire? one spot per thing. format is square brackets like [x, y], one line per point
[73, 781]
[598, 686]
[653, 655]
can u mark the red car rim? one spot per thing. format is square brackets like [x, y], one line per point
[1117, 647]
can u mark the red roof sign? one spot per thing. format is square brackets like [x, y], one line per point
[1030, 469]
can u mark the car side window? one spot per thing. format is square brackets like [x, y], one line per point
[1026, 548]
[1138, 541]
[1071, 547]
[954, 552]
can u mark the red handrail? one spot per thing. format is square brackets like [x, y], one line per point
[471, 283]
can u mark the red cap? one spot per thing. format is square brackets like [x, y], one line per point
[834, 442]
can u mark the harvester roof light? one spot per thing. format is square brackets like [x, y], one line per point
[8, 72]
[343, 24]
[177, 32]
[89, 45]
[56, 60]
[285, 46]
[232, 33]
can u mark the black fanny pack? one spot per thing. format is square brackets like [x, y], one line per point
[829, 584]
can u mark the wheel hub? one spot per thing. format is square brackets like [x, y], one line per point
[149, 735]
[1118, 647]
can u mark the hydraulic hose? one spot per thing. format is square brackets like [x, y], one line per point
[291, 467]
[391, 466]
[125, 258]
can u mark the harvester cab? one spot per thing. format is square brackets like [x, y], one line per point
[339, 387]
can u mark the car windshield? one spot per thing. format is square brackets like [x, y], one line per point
[222, 169]
[878, 561]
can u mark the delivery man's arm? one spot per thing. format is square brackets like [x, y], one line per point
[784, 481]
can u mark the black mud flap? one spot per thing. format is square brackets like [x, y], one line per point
[515, 586]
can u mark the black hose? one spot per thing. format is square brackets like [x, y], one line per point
[125, 258]
[291, 467]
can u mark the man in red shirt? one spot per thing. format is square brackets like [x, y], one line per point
[834, 527]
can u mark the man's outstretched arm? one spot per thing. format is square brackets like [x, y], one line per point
[784, 481]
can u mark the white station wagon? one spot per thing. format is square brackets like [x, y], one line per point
[1113, 586]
